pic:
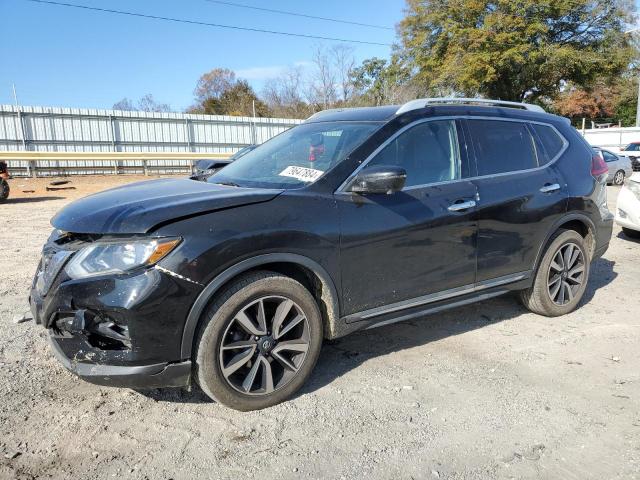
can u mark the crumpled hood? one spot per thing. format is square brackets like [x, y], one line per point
[139, 207]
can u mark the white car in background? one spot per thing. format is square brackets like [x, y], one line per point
[628, 207]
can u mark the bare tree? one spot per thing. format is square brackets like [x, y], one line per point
[283, 94]
[148, 104]
[322, 85]
[124, 104]
[145, 104]
[344, 63]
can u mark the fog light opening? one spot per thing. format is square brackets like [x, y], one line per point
[106, 334]
[101, 332]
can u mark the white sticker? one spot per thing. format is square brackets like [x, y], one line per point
[301, 173]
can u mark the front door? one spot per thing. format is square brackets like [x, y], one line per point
[417, 241]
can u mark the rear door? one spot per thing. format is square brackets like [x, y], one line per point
[521, 193]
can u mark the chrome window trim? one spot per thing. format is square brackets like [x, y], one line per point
[565, 145]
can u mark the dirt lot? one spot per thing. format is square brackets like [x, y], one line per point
[486, 391]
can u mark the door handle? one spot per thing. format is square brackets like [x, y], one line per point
[550, 187]
[458, 207]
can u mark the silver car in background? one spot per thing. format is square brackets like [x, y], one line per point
[619, 166]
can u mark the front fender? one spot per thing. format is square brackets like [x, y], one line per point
[329, 295]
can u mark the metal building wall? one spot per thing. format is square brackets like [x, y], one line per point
[52, 129]
[613, 138]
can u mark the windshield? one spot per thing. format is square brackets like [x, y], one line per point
[632, 147]
[297, 157]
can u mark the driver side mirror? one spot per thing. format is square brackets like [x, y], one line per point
[384, 179]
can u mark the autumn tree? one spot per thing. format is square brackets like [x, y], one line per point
[219, 92]
[237, 100]
[577, 103]
[614, 102]
[214, 83]
[514, 50]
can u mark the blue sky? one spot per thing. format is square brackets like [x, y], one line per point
[59, 56]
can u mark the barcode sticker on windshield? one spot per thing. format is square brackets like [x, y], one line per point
[301, 173]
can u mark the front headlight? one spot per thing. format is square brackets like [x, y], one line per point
[113, 258]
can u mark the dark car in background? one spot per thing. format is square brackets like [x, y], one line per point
[354, 219]
[632, 152]
[203, 169]
[4, 184]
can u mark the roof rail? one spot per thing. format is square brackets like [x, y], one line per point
[423, 102]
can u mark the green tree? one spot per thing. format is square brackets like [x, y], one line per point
[627, 101]
[378, 82]
[514, 50]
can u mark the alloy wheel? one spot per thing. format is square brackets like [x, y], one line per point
[618, 179]
[264, 345]
[566, 274]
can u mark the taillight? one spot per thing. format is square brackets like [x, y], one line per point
[598, 165]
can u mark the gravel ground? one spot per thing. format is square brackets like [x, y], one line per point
[485, 391]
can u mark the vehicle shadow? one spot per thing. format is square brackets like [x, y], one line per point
[345, 354]
[621, 235]
[10, 200]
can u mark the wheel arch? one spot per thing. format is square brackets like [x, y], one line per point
[574, 221]
[317, 280]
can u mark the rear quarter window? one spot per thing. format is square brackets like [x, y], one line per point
[502, 146]
[549, 141]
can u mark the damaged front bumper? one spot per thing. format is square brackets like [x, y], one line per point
[157, 375]
[123, 330]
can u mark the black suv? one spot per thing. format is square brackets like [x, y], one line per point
[354, 219]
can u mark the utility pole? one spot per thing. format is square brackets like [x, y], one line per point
[15, 97]
[633, 30]
[638, 105]
[254, 140]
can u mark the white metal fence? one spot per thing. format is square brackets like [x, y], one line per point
[49, 129]
[612, 138]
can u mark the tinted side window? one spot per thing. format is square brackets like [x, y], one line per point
[502, 146]
[428, 152]
[608, 157]
[551, 142]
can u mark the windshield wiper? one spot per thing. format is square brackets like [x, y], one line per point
[226, 184]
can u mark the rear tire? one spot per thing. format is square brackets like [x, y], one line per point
[4, 190]
[561, 279]
[631, 233]
[258, 342]
[618, 178]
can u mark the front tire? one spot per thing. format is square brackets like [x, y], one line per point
[258, 342]
[561, 278]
